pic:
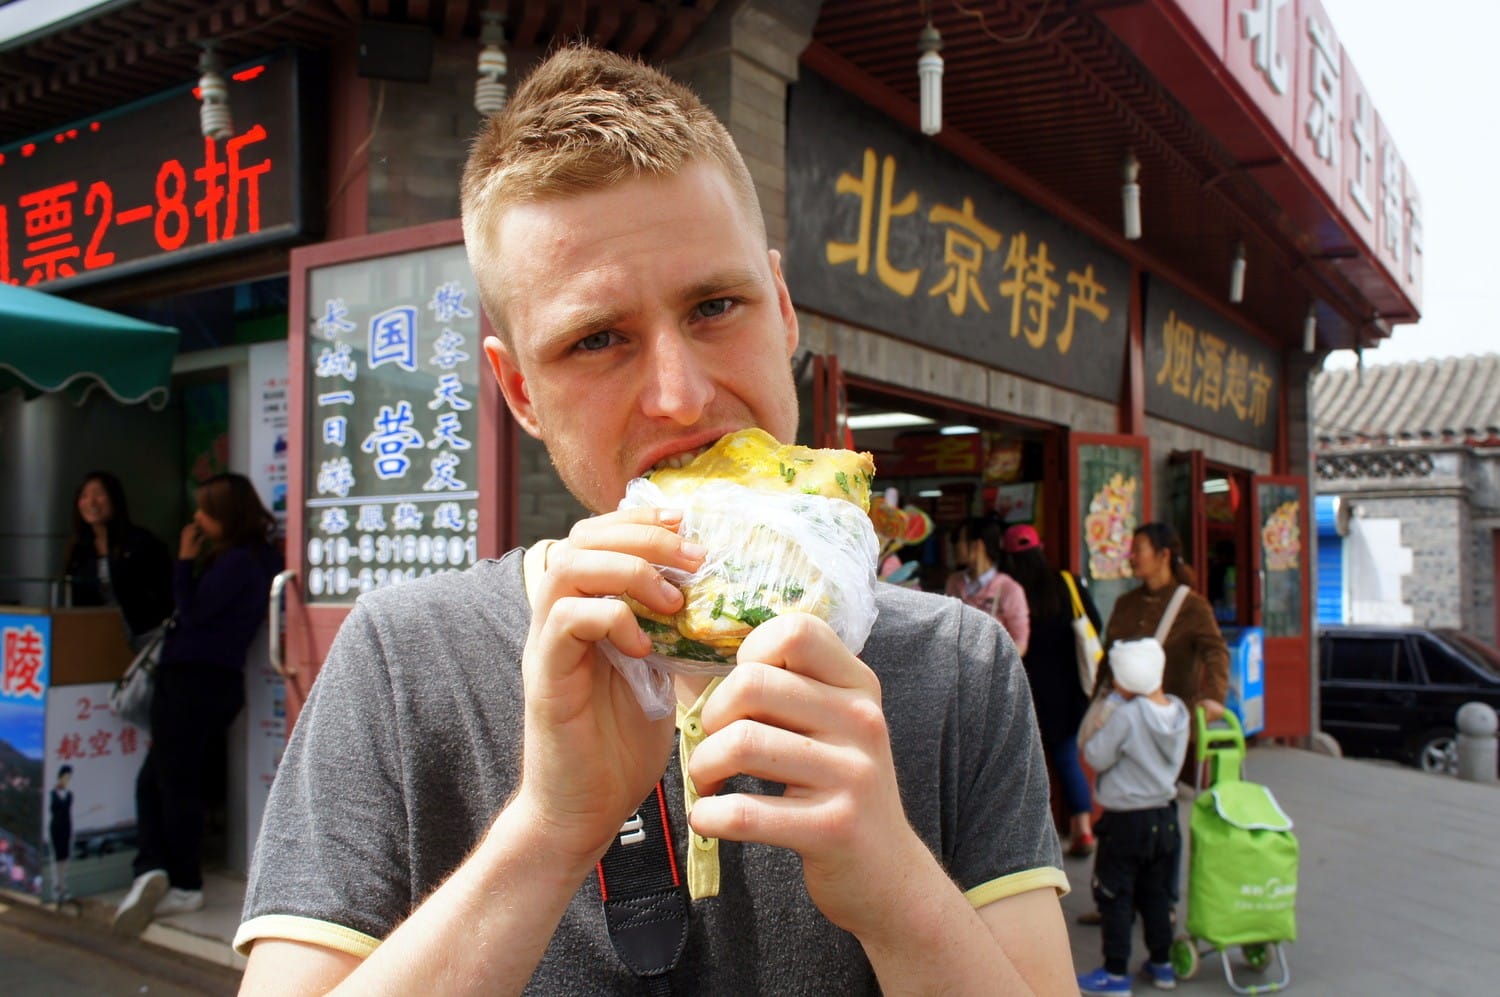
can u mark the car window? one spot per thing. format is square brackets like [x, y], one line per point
[1443, 666]
[1475, 650]
[1368, 659]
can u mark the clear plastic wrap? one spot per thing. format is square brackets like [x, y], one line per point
[769, 553]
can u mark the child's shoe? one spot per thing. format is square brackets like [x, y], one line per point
[1161, 974]
[1101, 981]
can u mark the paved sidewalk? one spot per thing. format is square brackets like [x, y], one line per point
[1399, 887]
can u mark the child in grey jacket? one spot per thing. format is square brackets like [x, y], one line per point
[1136, 741]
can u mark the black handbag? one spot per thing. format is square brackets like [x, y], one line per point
[131, 697]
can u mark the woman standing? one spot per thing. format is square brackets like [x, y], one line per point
[980, 582]
[1051, 661]
[225, 564]
[1197, 669]
[110, 561]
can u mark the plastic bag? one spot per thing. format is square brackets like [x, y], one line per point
[769, 553]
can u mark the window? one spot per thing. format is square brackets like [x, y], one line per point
[1368, 659]
[1443, 666]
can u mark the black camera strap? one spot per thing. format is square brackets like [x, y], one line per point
[645, 901]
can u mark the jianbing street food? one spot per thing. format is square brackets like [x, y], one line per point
[787, 530]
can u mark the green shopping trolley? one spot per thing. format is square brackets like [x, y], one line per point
[1242, 880]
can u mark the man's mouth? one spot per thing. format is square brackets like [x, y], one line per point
[680, 459]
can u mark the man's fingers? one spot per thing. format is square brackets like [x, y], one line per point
[762, 751]
[575, 624]
[755, 690]
[807, 645]
[646, 533]
[603, 572]
[803, 825]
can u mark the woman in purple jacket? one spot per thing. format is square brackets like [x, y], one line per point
[225, 563]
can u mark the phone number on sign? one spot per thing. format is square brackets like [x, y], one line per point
[340, 551]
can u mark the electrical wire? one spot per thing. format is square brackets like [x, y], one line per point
[1024, 36]
[349, 171]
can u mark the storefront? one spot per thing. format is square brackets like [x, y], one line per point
[976, 306]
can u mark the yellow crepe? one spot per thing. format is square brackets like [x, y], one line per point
[755, 570]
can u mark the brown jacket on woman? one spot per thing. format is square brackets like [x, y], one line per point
[1197, 657]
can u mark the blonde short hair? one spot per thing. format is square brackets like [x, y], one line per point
[585, 120]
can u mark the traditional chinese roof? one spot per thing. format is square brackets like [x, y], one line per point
[1448, 400]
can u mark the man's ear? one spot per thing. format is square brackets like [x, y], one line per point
[784, 303]
[512, 384]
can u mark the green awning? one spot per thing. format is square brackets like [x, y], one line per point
[51, 344]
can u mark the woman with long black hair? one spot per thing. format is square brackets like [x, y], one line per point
[1051, 662]
[110, 561]
[225, 563]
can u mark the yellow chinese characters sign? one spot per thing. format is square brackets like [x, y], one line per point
[1203, 371]
[888, 231]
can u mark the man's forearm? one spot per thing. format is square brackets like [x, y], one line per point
[486, 928]
[938, 943]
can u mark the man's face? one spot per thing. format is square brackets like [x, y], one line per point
[646, 321]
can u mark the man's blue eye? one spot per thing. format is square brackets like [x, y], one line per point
[597, 341]
[714, 308]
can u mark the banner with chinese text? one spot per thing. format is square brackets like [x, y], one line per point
[394, 362]
[1204, 371]
[888, 231]
[139, 187]
[26, 643]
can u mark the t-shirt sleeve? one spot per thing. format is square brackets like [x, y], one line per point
[1006, 843]
[330, 864]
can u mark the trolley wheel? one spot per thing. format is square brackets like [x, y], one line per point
[1257, 957]
[1184, 957]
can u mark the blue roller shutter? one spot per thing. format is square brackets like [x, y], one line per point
[1330, 561]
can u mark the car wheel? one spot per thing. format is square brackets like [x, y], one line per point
[1438, 752]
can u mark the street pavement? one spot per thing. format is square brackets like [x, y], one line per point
[50, 954]
[1399, 882]
[1398, 894]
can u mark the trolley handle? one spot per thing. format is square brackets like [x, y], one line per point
[1230, 735]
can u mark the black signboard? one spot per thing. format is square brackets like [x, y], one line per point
[139, 187]
[890, 232]
[393, 368]
[1204, 371]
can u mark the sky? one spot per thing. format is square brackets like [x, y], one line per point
[1431, 72]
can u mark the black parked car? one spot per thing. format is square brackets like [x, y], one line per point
[1394, 692]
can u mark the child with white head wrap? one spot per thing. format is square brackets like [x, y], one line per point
[1138, 665]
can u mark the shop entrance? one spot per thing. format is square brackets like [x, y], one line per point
[1210, 505]
[951, 461]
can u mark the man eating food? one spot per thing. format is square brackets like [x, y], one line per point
[468, 756]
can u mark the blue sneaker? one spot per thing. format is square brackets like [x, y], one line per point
[1161, 974]
[1101, 981]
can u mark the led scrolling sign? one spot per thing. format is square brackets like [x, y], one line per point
[140, 187]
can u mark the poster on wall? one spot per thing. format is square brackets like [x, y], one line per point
[269, 422]
[26, 641]
[1280, 532]
[392, 467]
[1110, 503]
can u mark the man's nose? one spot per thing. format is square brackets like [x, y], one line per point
[679, 386]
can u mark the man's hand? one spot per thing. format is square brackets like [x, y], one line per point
[590, 754]
[799, 709]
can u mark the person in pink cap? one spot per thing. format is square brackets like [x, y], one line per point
[1050, 660]
[977, 548]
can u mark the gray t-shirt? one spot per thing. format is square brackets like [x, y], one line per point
[410, 744]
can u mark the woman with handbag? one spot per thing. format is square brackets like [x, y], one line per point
[980, 582]
[1051, 662]
[110, 561]
[225, 564]
[1164, 606]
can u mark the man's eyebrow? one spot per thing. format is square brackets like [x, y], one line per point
[718, 283]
